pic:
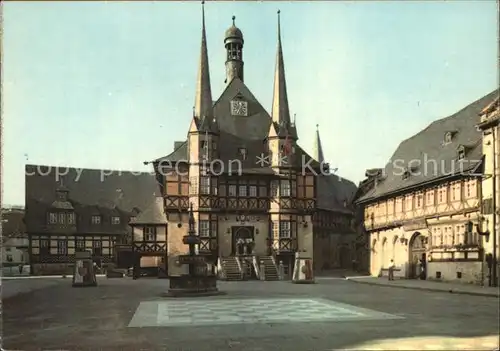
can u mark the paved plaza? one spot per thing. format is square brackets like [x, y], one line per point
[123, 314]
[246, 311]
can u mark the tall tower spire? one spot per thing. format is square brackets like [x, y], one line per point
[318, 148]
[203, 98]
[233, 42]
[281, 111]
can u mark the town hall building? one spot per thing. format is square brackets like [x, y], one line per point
[258, 198]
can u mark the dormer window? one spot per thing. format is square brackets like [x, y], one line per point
[96, 220]
[52, 218]
[242, 152]
[461, 152]
[447, 138]
[115, 220]
[71, 218]
[133, 218]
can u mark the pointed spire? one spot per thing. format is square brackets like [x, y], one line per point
[281, 111]
[318, 148]
[203, 98]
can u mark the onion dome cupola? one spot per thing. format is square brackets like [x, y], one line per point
[233, 42]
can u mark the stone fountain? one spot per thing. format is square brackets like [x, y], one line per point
[199, 281]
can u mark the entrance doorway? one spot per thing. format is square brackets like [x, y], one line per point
[417, 259]
[241, 236]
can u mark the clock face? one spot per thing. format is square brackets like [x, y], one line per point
[239, 108]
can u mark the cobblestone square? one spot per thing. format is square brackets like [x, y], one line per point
[333, 314]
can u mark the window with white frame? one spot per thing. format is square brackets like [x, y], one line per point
[96, 220]
[97, 248]
[285, 229]
[44, 246]
[252, 191]
[71, 218]
[285, 188]
[204, 228]
[115, 220]
[52, 218]
[80, 244]
[150, 233]
[62, 218]
[205, 185]
[242, 190]
[461, 153]
[232, 190]
[62, 247]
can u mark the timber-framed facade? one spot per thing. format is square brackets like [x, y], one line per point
[277, 201]
[72, 209]
[424, 212]
[243, 171]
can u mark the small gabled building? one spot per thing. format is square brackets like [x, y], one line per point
[149, 238]
[14, 239]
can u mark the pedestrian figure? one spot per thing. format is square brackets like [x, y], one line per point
[391, 270]
[20, 269]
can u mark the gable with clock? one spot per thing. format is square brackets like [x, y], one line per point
[239, 108]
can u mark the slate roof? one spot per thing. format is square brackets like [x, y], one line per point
[249, 132]
[90, 192]
[12, 225]
[153, 214]
[333, 191]
[428, 145]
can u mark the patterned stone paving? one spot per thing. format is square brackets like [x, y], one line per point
[434, 343]
[189, 312]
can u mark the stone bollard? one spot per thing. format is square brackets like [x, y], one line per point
[262, 270]
[281, 271]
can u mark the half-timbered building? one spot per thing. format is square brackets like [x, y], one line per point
[423, 209]
[489, 125]
[73, 209]
[257, 196]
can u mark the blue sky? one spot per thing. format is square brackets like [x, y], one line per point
[109, 85]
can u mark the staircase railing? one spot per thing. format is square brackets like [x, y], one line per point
[239, 266]
[274, 262]
[220, 269]
[256, 267]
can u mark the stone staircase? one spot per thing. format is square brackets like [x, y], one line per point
[231, 270]
[270, 269]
